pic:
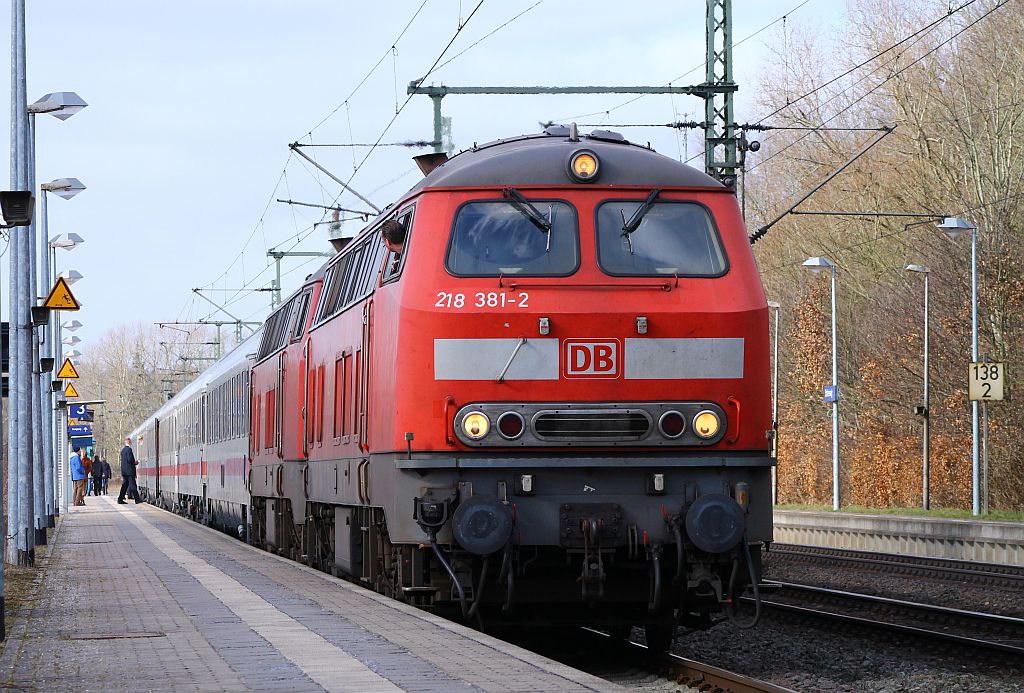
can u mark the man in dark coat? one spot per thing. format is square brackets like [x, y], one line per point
[97, 475]
[106, 476]
[128, 464]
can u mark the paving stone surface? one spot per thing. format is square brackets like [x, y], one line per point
[133, 598]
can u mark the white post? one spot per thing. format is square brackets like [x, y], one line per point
[975, 467]
[835, 402]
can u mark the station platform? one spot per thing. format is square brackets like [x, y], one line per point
[133, 598]
[981, 540]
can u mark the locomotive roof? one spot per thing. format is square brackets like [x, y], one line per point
[542, 159]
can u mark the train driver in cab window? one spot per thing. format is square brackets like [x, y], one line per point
[392, 233]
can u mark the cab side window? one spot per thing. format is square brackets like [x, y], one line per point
[394, 261]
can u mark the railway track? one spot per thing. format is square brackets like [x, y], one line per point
[990, 632]
[635, 667]
[990, 574]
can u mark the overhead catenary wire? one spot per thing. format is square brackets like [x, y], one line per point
[889, 78]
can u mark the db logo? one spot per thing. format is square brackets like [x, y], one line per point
[590, 358]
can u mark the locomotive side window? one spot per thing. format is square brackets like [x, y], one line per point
[300, 316]
[671, 238]
[506, 237]
[276, 334]
[395, 261]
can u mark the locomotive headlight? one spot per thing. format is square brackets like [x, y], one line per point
[584, 165]
[706, 424]
[475, 425]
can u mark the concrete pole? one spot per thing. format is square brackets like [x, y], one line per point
[22, 549]
[40, 509]
[46, 414]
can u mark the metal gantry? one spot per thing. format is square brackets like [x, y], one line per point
[720, 144]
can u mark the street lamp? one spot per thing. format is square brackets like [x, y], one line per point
[819, 264]
[67, 241]
[923, 411]
[955, 227]
[71, 325]
[70, 276]
[61, 105]
[73, 340]
[73, 354]
[774, 305]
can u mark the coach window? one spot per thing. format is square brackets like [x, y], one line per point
[523, 237]
[669, 238]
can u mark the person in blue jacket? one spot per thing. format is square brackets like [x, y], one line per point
[78, 475]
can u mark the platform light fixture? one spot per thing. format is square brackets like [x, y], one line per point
[70, 276]
[816, 265]
[954, 228]
[60, 104]
[923, 410]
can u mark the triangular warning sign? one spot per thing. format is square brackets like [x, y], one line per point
[60, 297]
[70, 390]
[67, 371]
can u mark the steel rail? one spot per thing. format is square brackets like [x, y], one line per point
[953, 567]
[689, 672]
[916, 610]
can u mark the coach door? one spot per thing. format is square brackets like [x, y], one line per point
[363, 361]
[156, 457]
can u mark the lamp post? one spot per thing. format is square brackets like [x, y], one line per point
[954, 227]
[924, 411]
[33, 449]
[819, 264]
[774, 305]
[65, 188]
[67, 241]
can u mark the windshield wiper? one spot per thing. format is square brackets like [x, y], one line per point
[528, 210]
[628, 227]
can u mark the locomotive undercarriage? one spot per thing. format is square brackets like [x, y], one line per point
[611, 559]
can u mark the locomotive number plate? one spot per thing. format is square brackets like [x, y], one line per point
[482, 299]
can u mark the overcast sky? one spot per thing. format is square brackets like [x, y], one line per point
[184, 145]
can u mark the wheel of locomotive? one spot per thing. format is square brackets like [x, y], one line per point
[659, 637]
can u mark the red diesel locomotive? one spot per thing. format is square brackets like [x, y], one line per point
[550, 407]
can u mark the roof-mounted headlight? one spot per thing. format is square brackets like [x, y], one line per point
[584, 166]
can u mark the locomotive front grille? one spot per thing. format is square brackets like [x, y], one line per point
[592, 425]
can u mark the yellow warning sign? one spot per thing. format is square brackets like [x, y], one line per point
[67, 371]
[70, 390]
[60, 297]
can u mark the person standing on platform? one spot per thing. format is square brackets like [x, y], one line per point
[78, 476]
[87, 463]
[97, 475]
[128, 464]
[106, 476]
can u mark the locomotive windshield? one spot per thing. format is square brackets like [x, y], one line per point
[672, 238]
[495, 238]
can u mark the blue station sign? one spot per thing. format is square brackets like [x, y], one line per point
[83, 441]
[79, 411]
[81, 430]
